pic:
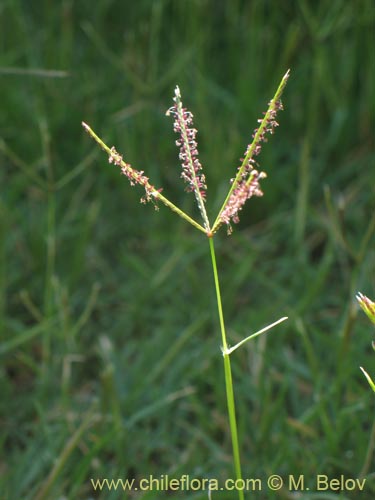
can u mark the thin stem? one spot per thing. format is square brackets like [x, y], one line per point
[179, 212]
[228, 375]
[369, 380]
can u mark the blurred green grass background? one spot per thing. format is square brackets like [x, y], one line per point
[110, 359]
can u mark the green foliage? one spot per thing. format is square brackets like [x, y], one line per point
[110, 367]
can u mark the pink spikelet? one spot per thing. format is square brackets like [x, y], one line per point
[246, 183]
[191, 167]
[134, 176]
[245, 190]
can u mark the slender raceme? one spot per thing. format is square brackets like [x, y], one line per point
[137, 177]
[246, 183]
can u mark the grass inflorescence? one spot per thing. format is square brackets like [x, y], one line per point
[110, 367]
[244, 186]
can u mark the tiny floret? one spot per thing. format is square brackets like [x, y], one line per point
[134, 176]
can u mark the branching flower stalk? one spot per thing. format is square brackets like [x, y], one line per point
[243, 187]
[137, 177]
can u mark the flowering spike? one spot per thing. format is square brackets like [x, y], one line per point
[244, 190]
[191, 166]
[246, 183]
[134, 176]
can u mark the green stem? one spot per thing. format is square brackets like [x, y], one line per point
[228, 375]
[369, 379]
[256, 334]
[179, 212]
